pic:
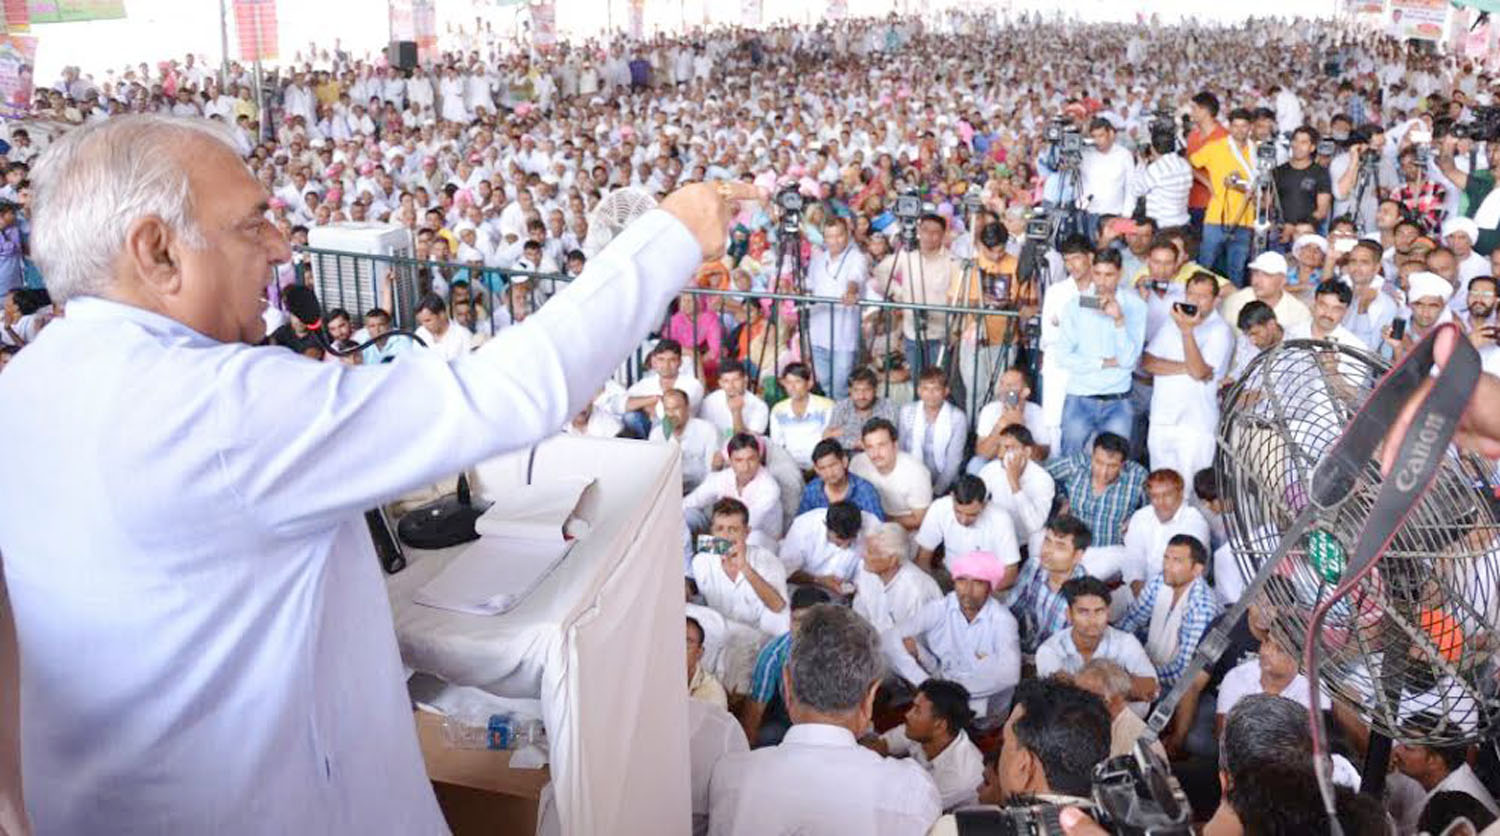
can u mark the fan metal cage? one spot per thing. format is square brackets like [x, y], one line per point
[1412, 647]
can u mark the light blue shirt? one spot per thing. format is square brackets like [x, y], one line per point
[1088, 338]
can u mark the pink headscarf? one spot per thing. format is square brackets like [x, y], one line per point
[980, 566]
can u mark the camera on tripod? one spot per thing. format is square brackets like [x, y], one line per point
[908, 211]
[791, 203]
[1039, 228]
[1265, 159]
[1067, 142]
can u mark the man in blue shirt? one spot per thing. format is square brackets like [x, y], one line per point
[1101, 337]
[835, 483]
[764, 714]
[385, 348]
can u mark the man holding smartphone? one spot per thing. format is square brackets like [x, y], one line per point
[1188, 358]
[1101, 338]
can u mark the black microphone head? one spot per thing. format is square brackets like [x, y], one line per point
[302, 303]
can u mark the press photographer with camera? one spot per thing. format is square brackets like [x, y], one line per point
[1360, 175]
[921, 276]
[1303, 187]
[1163, 178]
[1056, 734]
[1419, 195]
[1478, 187]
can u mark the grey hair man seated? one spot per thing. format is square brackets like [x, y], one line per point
[819, 779]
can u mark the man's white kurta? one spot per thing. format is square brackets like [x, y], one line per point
[205, 637]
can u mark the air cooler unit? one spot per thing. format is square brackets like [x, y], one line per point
[351, 262]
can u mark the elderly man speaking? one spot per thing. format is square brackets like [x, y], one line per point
[206, 644]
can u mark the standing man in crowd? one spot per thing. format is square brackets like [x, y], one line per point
[1187, 360]
[1104, 176]
[838, 271]
[1303, 187]
[1102, 337]
[921, 277]
[1229, 163]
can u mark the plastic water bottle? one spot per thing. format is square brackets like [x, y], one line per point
[498, 732]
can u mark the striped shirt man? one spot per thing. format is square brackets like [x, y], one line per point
[1104, 513]
[1199, 610]
[1039, 610]
[765, 682]
[1165, 183]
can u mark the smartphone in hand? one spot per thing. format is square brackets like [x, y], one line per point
[1398, 329]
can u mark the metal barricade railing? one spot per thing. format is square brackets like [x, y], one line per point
[762, 329]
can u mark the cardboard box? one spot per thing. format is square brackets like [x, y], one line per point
[478, 791]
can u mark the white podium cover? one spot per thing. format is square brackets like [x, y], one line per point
[600, 641]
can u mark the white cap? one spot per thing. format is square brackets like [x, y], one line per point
[1310, 238]
[1270, 262]
[1424, 284]
[1465, 225]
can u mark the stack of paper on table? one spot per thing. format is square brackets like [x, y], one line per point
[521, 541]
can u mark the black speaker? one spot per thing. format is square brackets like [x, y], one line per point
[402, 55]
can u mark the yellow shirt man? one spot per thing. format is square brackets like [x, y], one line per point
[1221, 158]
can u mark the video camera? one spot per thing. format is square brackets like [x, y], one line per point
[1163, 128]
[1039, 228]
[1484, 128]
[1265, 159]
[1067, 142]
[791, 203]
[908, 211]
[1133, 795]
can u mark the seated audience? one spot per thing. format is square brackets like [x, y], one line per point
[935, 735]
[697, 438]
[1019, 484]
[966, 636]
[1174, 609]
[745, 480]
[966, 521]
[702, 685]
[834, 482]
[826, 546]
[1101, 487]
[818, 779]
[864, 404]
[904, 484]
[1112, 683]
[643, 399]
[732, 408]
[746, 585]
[1012, 407]
[1089, 637]
[1152, 527]
[934, 430]
[889, 589]
[1037, 599]
[797, 423]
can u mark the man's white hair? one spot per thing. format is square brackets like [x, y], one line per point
[890, 538]
[92, 183]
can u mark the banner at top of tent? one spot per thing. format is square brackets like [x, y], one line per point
[72, 11]
[1421, 20]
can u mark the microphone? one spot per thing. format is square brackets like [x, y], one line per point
[303, 303]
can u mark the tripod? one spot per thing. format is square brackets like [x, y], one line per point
[1265, 199]
[1362, 182]
[788, 247]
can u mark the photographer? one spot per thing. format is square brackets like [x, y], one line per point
[1422, 198]
[1479, 188]
[921, 277]
[1304, 187]
[1055, 736]
[1360, 175]
[1229, 162]
[1164, 179]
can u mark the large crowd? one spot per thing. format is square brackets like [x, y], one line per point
[931, 558]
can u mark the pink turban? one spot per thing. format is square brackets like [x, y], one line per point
[980, 566]
[367, 168]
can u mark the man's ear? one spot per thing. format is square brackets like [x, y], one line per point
[149, 244]
[868, 705]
